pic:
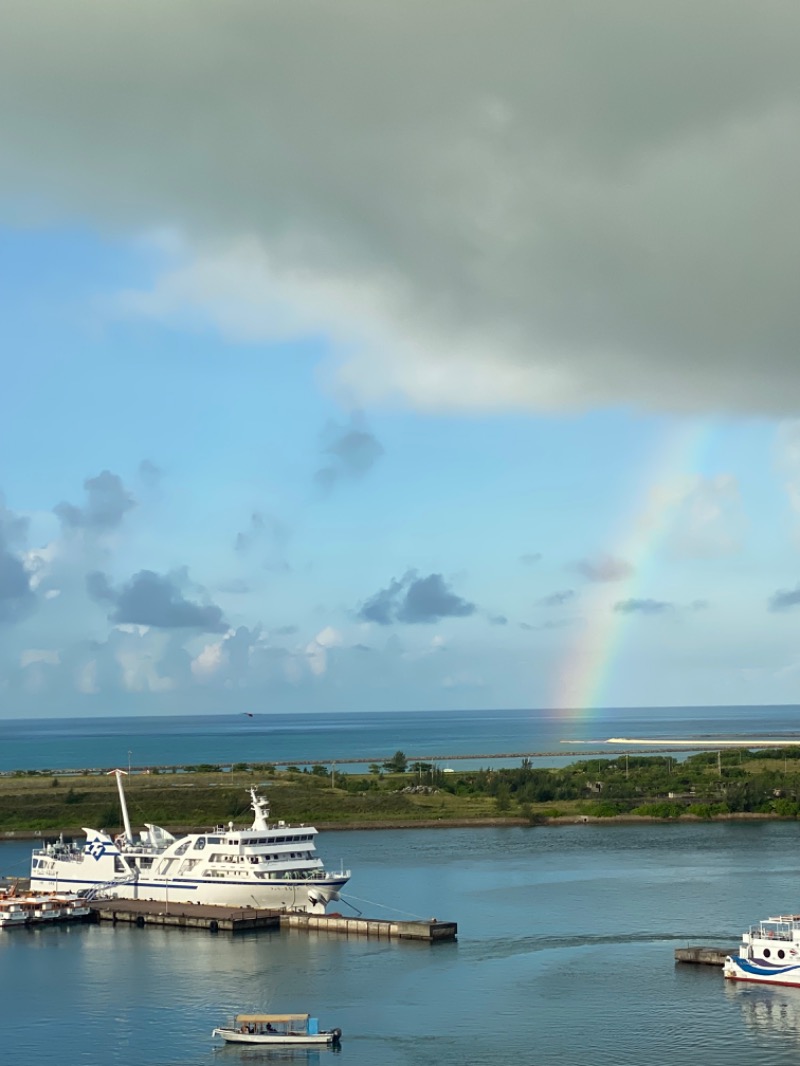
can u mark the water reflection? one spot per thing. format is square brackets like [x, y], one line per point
[772, 1011]
[296, 1055]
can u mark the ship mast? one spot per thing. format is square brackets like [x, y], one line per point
[260, 809]
[125, 819]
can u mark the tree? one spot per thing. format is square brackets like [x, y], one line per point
[397, 764]
[503, 797]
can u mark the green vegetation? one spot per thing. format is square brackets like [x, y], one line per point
[708, 785]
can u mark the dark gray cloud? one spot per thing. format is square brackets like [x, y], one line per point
[236, 586]
[16, 596]
[643, 606]
[107, 502]
[99, 587]
[350, 452]
[150, 599]
[267, 532]
[382, 607]
[13, 527]
[428, 599]
[149, 473]
[17, 599]
[558, 599]
[498, 620]
[465, 198]
[238, 646]
[604, 568]
[784, 599]
[413, 600]
[529, 558]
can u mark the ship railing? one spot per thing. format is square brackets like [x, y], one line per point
[765, 932]
[96, 891]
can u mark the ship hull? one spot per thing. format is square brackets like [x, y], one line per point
[739, 969]
[309, 896]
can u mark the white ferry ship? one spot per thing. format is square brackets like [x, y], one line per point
[265, 866]
[769, 953]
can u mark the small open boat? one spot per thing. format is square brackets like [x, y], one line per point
[278, 1030]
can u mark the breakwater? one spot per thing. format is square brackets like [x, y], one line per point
[215, 919]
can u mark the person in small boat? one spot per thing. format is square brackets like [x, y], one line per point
[270, 1028]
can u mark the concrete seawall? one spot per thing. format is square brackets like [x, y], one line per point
[238, 920]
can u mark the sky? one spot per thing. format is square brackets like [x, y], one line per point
[399, 356]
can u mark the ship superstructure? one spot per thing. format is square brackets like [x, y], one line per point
[271, 866]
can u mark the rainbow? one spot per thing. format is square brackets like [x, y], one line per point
[583, 674]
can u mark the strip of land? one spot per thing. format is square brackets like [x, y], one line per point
[731, 781]
[697, 745]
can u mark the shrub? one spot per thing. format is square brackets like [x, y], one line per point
[659, 810]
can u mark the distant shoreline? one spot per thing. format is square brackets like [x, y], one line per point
[754, 742]
[591, 751]
[10, 835]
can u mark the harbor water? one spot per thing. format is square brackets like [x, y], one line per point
[566, 934]
[565, 954]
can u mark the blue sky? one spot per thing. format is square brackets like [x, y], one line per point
[347, 366]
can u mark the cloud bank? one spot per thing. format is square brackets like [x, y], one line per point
[540, 206]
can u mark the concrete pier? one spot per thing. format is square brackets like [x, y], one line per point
[239, 920]
[430, 930]
[704, 956]
[185, 915]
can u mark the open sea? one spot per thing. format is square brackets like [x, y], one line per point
[566, 934]
[102, 743]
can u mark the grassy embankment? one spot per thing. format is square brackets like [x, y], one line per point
[202, 799]
[734, 783]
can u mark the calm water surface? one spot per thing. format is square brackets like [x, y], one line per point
[565, 954]
[77, 743]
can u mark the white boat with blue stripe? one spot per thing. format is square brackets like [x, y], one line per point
[769, 953]
[269, 866]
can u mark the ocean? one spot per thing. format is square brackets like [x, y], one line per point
[566, 936]
[102, 743]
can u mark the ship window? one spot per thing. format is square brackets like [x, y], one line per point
[215, 840]
[182, 848]
[199, 844]
[767, 953]
[781, 953]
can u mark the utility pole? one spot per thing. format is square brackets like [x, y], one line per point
[719, 763]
